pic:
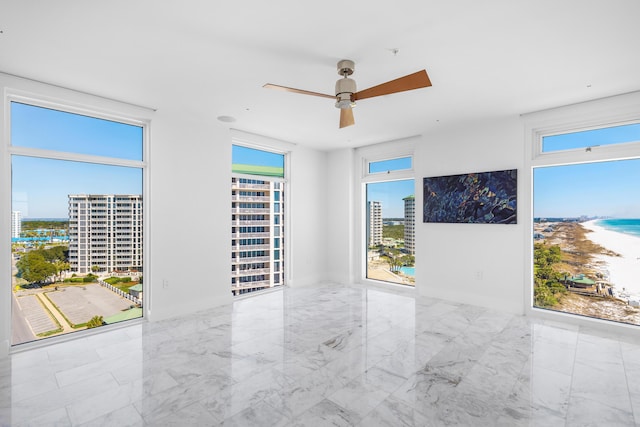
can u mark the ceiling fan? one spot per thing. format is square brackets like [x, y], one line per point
[346, 94]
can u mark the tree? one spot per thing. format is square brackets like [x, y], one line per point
[33, 267]
[547, 292]
[409, 260]
[60, 267]
[394, 262]
[543, 296]
[56, 253]
[95, 322]
[393, 231]
[544, 255]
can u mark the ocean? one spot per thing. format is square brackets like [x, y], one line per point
[626, 226]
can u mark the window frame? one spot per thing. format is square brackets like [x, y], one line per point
[620, 146]
[262, 143]
[363, 156]
[61, 99]
[367, 168]
[596, 114]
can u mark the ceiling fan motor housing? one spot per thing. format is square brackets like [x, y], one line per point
[346, 67]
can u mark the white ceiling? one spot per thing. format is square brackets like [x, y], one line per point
[207, 58]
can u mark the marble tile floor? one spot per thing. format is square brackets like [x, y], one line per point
[329, 356]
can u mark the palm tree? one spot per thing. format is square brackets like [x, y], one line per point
[60, 267]
[395, 263]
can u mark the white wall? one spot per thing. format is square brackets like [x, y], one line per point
[340, 216]
[190, 215]
[308, 220]
[478, 264]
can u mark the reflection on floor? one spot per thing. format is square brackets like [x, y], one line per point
[329, 355]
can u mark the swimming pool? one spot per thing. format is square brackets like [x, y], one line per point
[408, 271]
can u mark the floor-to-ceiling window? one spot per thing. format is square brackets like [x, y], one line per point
[586, 222]
[77, 219]
[257, 220]
[389, 212]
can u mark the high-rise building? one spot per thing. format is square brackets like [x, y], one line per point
[257, 234]
[105, 233]
[16, 224]
[374, 226]
[410, 224]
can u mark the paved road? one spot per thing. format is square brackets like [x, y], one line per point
[20, 331]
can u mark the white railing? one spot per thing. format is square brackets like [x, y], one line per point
[240, 198]
[263, 247]
[120, 292]
[252, 272]
[245, 185]
[238, 234]
[240, 210]
[256, 222]
[248, 260]
[249, 285]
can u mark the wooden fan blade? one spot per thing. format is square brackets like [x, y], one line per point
[346, 117]
[303, 92]
[412, 81]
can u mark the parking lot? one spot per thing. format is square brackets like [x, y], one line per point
[78, 304]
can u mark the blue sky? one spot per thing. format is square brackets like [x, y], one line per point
[250, 156]
[40, 187]
[592, 138]
[400, 163]
[592, 189]
[390, 194]
[38, 127]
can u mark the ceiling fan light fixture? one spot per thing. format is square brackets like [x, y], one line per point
[343, 100]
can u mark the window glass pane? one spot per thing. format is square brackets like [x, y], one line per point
[79, 247]
[592, 138]
[44, 128]
[257, 162]
[587, 239]
[254, 204]
[391, 232]
[401, 163]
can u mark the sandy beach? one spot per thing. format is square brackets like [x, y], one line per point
[624, 270]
